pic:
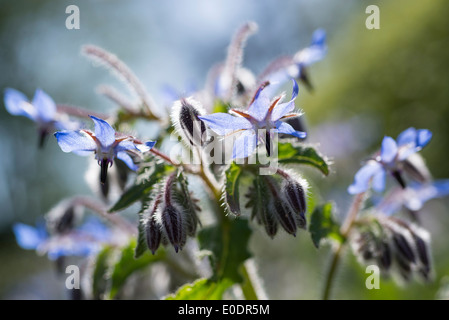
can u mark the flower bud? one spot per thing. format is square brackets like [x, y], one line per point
[152, 233]
[188, 125]
[171, 219]
[295, 194]
[285, 216]
[403, 247]
[422, 252]
[404, 266]
[269, 221]
[385, 256]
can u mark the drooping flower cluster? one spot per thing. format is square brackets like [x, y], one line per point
[172, 215]
[279, 199]
[395, 245]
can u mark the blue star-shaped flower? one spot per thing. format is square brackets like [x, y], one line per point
[42, 110]
[104, 142]
[83, 241]
[262, 114]
[392, 154]
[296, 67]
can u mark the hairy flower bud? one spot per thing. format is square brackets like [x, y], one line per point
[171, 219]
[285, 216]
[295, 194]
[153, 232]
[405, 268]
[269, 221]
[385, 258]
[188, 125]
[403, 247]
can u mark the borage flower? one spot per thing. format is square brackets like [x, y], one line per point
[392, 158]
[296, 66]
[42, 110]
[83, 241]
[263, 119]
[104, 142]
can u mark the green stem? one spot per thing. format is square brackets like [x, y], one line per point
[345, 231]
[247, 286]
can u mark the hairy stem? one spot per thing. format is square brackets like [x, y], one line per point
[79, 112]
[345, 231]
[101, 210]
[248, 286]
[124, 73]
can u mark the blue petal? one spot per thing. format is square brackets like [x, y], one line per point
[414, 138]
[45, 106]
[103, 132]
[282, 109]
[363, 177]
[379, 181]
[283, 127]
[150, 144]
[389, 150]
[224, 123]
[126, 158]
[259, 108]
[244, 145]
[437, 189]
[28, 237]
[318, 38]
[70, 247]
[315, 52]
[78, 142]
[407, 137]
[147, 146]
[17, 104]
[423, 137]
[96, 229]
[125, 145]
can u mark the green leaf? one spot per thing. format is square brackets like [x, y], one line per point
[220, 106]
[323, 225]
[301, 154]
[228, 244]
[232, 196]
[127, 265]
[146, 179]
[201, 289]
[100, 273]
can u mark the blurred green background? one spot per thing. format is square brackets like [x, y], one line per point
[372, 83]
